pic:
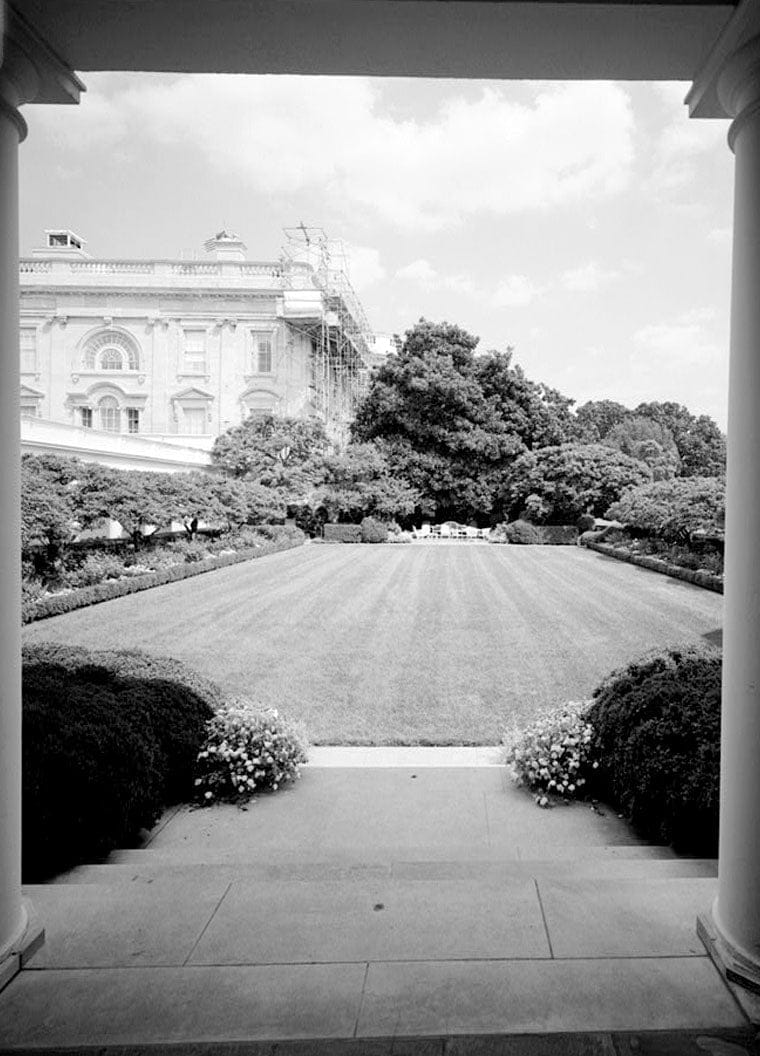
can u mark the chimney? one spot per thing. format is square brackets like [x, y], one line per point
[225, 246]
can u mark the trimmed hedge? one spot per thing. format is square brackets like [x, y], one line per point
[342, 533]
[109, 739]
[57, 604]
[656, 564]
[559, 534]
[657, 739]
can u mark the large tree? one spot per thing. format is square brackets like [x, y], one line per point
[701, 445]
[48, 516]
[359, 482]
[278, 452]
[594, 419]
[452, 421]
[557, 484]
[649, 441]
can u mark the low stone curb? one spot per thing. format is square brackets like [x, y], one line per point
[654, 564]
[58, 604]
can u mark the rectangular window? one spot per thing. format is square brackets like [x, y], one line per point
[194, 359]
[133, 420]
[194, 420]
[85, 417]
[262, 353]
[30, 409]
[28, 343]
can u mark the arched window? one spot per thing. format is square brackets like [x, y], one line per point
[110, 414]
[111, 350]
[111, 359]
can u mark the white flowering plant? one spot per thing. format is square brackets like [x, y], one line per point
[247, 750]
[553, 756]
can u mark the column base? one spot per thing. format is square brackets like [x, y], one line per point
[740, 974]
[24, 948]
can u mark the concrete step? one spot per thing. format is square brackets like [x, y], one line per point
[128, 866]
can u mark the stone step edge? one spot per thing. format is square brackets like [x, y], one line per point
[402, 870]
[561, 1043]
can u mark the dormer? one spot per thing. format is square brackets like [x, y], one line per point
[225, 246]
[62, 243]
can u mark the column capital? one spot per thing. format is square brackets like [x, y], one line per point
[30, 71]
[739, 86]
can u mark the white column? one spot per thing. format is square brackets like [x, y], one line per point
[17, 83]
[734, 930]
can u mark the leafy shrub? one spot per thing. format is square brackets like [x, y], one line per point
[373, 531]
[342, 533]
[190, 550]
[523, 533]
[674, 508]
[245, 751]
[400, 537]
[585, 523]
[94, 569]
[553, 756]
[657, 737]
[109, 739]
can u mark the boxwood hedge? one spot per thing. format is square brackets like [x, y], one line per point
[657, 740]
[109, 740]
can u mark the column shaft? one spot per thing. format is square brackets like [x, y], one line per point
[12, 915]
[737, 912]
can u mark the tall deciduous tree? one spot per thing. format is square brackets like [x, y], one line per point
[359, 482]
[596, 418]
[649, 441]
[282, 453]
[701, 445]
[558, 484]
[452, 421]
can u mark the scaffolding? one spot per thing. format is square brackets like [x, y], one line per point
[336, 325]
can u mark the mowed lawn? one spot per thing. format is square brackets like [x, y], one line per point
[433, 644]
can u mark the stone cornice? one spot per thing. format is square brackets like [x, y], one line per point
[705, 97]
[31, 71]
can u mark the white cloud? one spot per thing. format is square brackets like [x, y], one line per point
[680, 144]
[475, 155]
[515, 291]
[425, 276]
[588, 278]
[682, 343]
[363, 265]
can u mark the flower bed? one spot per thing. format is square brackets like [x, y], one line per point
[67, 601]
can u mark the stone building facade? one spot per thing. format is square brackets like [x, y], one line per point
[183, 349]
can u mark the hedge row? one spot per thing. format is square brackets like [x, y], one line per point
[559, 534]
[700, 579]
[109, 739]
[342, 533]
[58, 604]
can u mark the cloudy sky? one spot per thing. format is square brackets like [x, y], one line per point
[586, 225]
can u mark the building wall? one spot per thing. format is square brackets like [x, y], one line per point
[227, 382]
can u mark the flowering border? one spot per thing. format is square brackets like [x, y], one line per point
[58, 604]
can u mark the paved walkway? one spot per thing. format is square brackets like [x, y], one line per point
[391, 901]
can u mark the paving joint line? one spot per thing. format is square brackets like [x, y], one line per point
[206, 925]
[361, 1000]
[543, 918]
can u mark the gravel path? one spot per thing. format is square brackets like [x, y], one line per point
[406, 644]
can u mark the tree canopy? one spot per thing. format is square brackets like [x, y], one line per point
[451, 421]
[557, 484]
[282, 453]
[649, 441]
[672, 508]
